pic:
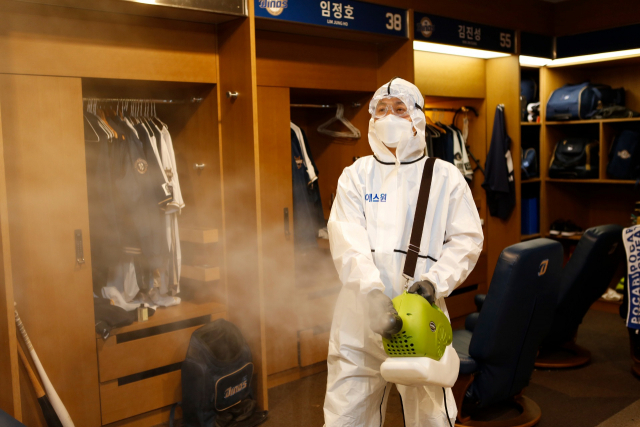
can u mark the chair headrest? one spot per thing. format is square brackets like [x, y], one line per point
[515, 317]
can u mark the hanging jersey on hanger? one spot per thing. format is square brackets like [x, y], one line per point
[308, 216]
[499, 182]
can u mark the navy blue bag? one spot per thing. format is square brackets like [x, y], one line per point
[576, 158]
[624, 157]
[529, 90]
[576, 102]
[216, 379]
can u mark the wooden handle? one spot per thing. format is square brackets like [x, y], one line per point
[32, 375]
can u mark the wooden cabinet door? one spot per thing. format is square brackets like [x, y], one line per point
[276, 195]
[42, 129]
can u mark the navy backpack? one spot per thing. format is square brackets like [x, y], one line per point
[624, 157]
[576, 158]
[216, 379]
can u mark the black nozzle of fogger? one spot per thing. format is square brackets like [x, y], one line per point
[393, 324]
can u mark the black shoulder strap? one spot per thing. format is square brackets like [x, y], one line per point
[418, 219]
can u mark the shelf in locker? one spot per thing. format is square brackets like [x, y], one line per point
[592, 181]
[560, 237]
[199, 235]
[583, 122]
[184, 311]
[201, 273]
[526, 237]
[527, 181]
[529, 124]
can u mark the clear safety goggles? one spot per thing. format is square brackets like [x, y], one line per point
[391, 105]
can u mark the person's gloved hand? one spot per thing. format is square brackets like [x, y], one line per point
[425, 289]
[383, 318]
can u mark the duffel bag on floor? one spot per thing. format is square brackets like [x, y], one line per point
[576, 158]
[624, 157]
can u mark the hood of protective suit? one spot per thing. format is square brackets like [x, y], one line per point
[412, 148]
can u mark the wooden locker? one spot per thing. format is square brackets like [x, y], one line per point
[44, 152]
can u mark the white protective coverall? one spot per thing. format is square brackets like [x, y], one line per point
[369, 229]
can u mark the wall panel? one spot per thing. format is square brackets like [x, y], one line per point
[48, 40]
[10, 390]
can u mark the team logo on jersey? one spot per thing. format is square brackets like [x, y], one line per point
[298, 161]
[624, 154]
[426, 27]
[375, 198]
[141, 166]
[274, 7]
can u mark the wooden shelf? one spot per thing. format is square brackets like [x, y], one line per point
[592, 181]
[198, 235]
[527, 181]
[201, 273]
[582, 122]
[526, 237]
[560, 237]
[183, 311]
[530, 123]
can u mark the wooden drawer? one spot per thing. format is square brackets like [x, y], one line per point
[139, 365]
[123, 401]
[314, 346]
[131, 357]
[149, 419]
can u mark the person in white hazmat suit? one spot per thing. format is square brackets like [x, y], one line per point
[369, 229]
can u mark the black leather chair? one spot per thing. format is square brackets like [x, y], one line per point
[498, 347]
[584, 279]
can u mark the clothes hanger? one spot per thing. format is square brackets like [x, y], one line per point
[339, 117]
[101, 114]
[91, 126]
[157, 119]
[433, 125]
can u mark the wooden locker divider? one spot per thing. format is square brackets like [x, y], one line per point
[10, 391]
[241, 189]
[503, 87]
[277, 231]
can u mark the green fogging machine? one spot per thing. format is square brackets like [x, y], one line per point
[420, 353]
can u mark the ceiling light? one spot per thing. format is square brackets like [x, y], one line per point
[533, 61]
[455, 50]
[598, 57]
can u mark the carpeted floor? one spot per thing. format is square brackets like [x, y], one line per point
[602, 394]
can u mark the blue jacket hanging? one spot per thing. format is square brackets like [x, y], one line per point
[499, 182]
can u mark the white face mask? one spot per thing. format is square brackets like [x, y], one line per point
[391, 130]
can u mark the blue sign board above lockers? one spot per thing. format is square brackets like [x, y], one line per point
[536, 45]
[439, 29]
[343, 14]
[610, 40]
